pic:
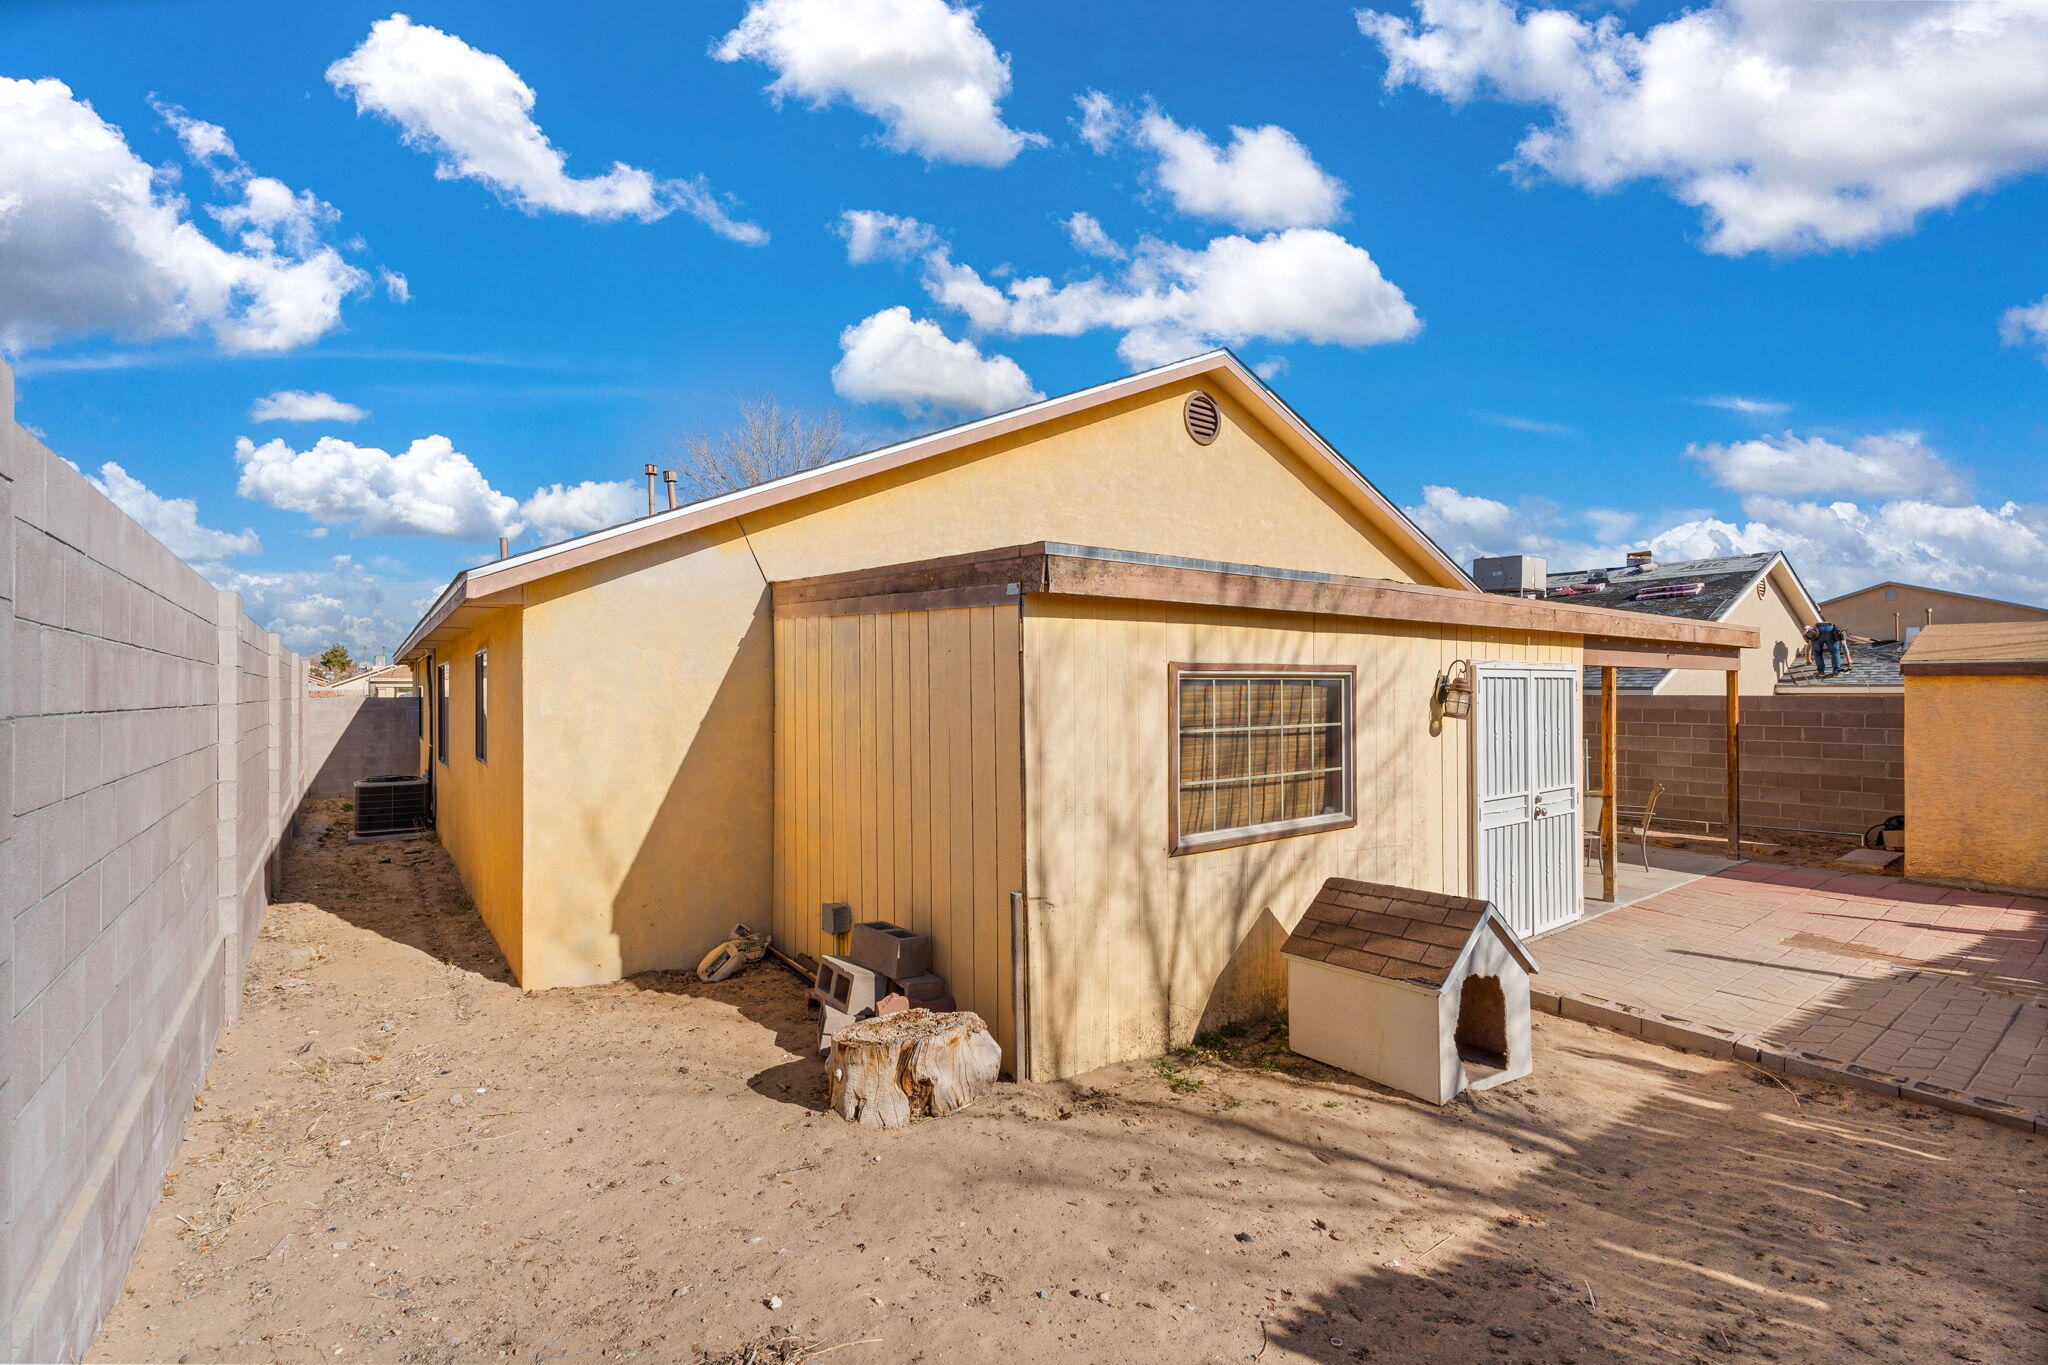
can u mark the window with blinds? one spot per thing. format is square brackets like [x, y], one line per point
[1261, 754]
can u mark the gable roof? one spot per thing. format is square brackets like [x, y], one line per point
[1219, 367]
[1940, 592]
[1724, 583]
[1396, 932]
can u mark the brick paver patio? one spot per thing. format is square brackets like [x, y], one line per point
[1941, 990]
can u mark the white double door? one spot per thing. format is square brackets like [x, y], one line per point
[1526, 761]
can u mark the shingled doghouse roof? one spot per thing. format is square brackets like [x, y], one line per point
[1395, 932]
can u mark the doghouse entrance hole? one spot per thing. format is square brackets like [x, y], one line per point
[1482, 1034]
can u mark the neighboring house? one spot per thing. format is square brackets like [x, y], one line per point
[378, 680]
[1760, 591]
[1898, 611]
[1107, 781]
[1976, 747]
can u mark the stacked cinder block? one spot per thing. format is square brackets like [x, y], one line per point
[148, 766]
[887, 967]
[1824, 762]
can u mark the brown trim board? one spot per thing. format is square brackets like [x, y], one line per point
[1089, 572]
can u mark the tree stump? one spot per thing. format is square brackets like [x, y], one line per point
[891, 1069]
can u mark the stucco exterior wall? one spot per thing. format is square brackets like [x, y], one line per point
[479, 805]
[1976, 804]
[1868, 613]
[1141, 948]
[650, 760]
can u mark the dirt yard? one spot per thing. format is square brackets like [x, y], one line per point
[403, 1157]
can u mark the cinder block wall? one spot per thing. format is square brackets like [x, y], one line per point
[149, 763]
[1829, 763]
[350, 737]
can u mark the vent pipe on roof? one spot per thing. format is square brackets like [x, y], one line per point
[504, 547]
[652, 470]
[668, 476]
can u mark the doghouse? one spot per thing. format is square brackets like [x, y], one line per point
[1423, 992]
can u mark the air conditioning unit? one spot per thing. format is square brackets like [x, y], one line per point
[1511, 575]
[387, 806]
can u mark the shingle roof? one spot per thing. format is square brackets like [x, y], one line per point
[1873, 665]
[1986, 642]
[1723, 582]
[1393, 931]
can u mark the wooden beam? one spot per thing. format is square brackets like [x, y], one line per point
[1610, 779]
[1606, 653]
[1734, 765]
[934, 599]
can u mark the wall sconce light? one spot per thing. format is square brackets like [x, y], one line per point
[1454, 691]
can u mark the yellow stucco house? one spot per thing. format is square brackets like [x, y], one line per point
[1096, 691]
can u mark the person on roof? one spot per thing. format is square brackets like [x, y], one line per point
[1830, 647]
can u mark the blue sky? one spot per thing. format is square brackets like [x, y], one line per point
[1507, 259]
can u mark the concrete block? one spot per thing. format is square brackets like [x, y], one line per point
[38, 578]
[65, 493]
[39, 947]
[38, 762]
[890, 949]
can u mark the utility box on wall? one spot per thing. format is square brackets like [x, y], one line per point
[1422, 992]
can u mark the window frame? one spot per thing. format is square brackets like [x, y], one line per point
[442, 686]
[480, 700]
[1178, 844]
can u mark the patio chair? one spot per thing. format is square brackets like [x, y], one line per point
[1629, 822]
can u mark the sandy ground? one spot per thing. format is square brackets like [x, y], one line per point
[400, 1156]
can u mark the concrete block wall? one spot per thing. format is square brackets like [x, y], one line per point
[350, 737]
[149, 761]
[1829, 763]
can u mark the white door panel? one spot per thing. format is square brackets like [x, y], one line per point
[1525, 757]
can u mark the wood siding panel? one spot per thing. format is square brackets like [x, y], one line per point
[893, 786]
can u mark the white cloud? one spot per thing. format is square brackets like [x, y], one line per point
[923, 68]
[911, 364]
[1889, 465]
[1304, 284]
[1264, 179]
[1791, 127]
[396, 287]
[1085, 232]
[174, 521]
[872, 236]
[559, 511]
[1528, 424]
[344, 604]
[1837, 546]
[2026, 325]
[1748, 407]
[429, 489]
[296, 405]
[92, 240]
[1271, 368]
[475, 115]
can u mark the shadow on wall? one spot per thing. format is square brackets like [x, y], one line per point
[352, 738]
[669, 912]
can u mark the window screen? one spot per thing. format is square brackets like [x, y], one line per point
[441, 713]
[1261, 753]
[483, 709]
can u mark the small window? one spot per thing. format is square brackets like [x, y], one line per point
[1891, 594]
[441, 713]
[483, 705]
[1260, 753]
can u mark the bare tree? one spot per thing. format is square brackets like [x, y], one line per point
[768, 441]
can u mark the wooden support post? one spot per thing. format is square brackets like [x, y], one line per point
[1735, 765]
[1610, 778]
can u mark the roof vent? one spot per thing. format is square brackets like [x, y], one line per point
[1641, 561]
[1202, 418]
[1673, 590]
